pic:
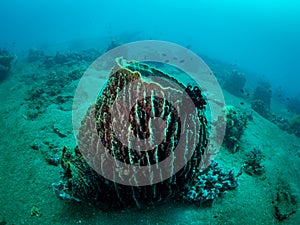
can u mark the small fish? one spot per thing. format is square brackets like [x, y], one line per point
[181, 61]
[287, 99]
[164, 54]
[167, 61]
[242, 91]
[242, 103]
[248, 95]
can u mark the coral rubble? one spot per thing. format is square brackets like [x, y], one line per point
[69, 58]
[48, 91]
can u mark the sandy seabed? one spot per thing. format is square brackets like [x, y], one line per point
[31, 127]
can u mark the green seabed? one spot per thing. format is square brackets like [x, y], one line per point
[36, 114]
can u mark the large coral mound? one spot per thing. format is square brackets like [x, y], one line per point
[138, 103]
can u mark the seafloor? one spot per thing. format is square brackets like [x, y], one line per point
[36, 121]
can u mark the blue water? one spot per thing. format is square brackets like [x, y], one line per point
[259, 36]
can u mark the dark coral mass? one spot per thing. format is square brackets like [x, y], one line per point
[144, 118]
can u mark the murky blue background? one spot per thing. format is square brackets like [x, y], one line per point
[261, 36]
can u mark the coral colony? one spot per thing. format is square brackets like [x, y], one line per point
[6, 60]
[81, 183]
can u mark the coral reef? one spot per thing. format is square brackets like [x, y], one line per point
[281, 122]
[35, 55]
[260, 107]
[262, 99]
[209, 185]
[96, 188]
[235, 82]
[81, 183]
[291, 125]
[263, 92]
[70, 58]
[48, 91]
[113, 44]
[236, 122]
[253, 163]
[295, 125]
[293, 104]
[6, 59]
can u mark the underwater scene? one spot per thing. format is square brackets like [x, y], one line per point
[149, 112]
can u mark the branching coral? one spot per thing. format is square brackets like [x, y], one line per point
[253, 163]
[210, 185]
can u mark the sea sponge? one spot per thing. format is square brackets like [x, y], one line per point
[166, 101]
